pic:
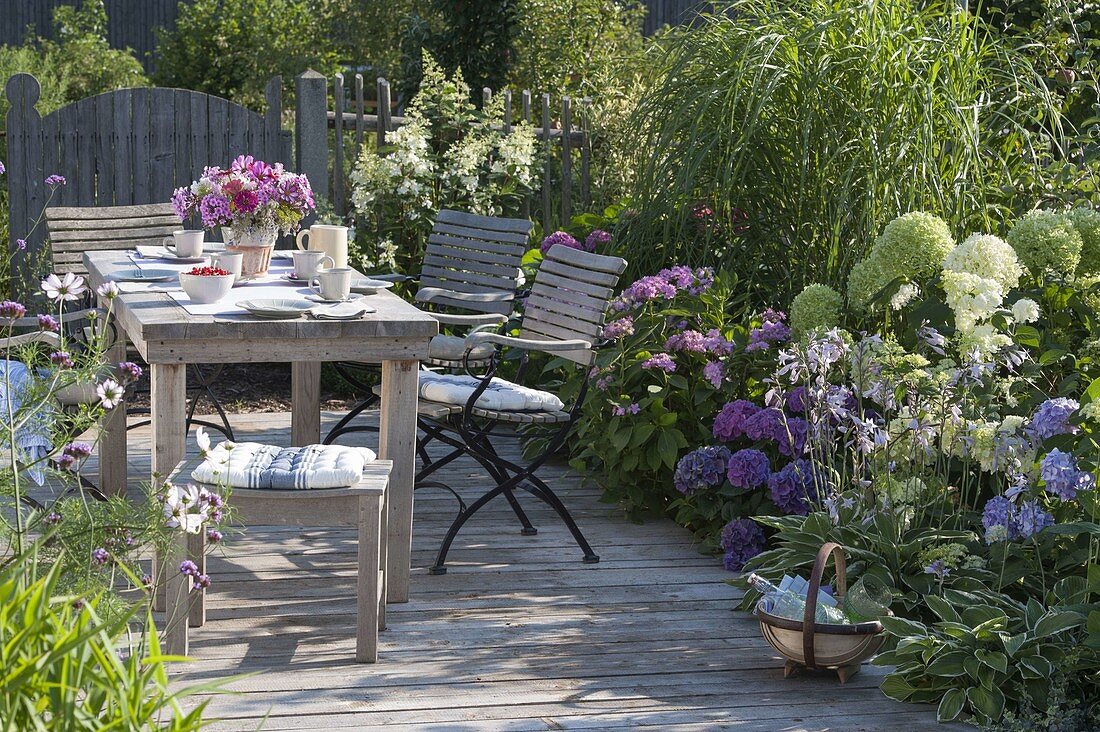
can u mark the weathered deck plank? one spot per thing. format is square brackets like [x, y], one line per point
[519, 635]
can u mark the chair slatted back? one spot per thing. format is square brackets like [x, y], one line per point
[73, 231]
[569, 298]
[470, 253]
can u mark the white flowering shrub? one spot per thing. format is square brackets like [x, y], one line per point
[448, 154]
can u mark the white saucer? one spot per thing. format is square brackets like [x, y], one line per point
[317, 298]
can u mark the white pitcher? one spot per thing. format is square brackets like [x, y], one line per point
[332, 240]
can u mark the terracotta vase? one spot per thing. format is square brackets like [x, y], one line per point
[256, 245]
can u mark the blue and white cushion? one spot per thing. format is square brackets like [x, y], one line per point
[254, 465]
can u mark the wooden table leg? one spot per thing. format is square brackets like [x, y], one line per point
[397, 442]
[305, 388]
[112, 436]
[169, 406]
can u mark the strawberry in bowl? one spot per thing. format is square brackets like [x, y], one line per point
[205, 285]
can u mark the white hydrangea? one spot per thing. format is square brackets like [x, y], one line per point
[988, 256]
[972, 297]
[984, 339]
[905, 295]
[1025, 310]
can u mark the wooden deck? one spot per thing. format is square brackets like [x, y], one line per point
[519, 635]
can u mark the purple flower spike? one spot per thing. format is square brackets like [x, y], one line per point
[55, 180]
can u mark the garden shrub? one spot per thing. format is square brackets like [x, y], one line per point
[449, 154]
[802, 128]
[232, 48]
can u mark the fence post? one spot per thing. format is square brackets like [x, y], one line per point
[273, 121]
[339, 200]
[381, 128]
[311, 131]
[586, 154]
[566, 161]
[546, 213]
[525, 97]
[26, 189]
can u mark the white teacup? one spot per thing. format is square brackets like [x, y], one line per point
[326, 238]
[185, 244]
[308, 262]
[333, 284]
[230, 262]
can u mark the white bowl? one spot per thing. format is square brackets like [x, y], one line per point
[205, 289]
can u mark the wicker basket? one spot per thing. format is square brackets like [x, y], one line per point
[808, 644]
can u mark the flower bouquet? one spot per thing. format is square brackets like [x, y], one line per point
[252, 201]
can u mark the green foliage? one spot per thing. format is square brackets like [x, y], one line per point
[806, 126]
[365, 33]
[231, 48]
[66, 667]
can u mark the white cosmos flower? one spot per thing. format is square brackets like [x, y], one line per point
[203, 441]
[110, 393]
[108, 290]
[183, 509]
[67, 288]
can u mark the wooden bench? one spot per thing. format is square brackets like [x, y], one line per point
[361, 505]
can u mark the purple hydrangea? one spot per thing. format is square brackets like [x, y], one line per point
[1052, 418]
[748, 469]
[691, 341]
[792, 489]
[596, 239]
[1030, 520]
[701, 469]
[717, 344]
[772, 331]
[661, 361]
[796, 400]
[765, 424]
[646, 289]
[729, 424]
[1063, 479]
[791, 436]
[715, 373]
[619, 328]
[741, 540]
[997, 518]
[559, 237]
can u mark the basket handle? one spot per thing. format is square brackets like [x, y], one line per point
[808, 622]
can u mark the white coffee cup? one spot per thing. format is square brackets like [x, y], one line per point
[308, 262]
[333, 284]
[185, 244]
[230, 262]
[332, 240]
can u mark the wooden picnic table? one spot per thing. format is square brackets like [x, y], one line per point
[169, 337]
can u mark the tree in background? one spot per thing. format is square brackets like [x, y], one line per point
[232, 47]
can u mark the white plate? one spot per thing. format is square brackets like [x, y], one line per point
[146, 274]
[369, 286]
[317, 298]
[296, 280]
[272, 308]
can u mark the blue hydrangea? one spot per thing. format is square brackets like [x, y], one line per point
[748, 469]
[741, 540]
[701, 469]
[792, 489]
[1052, 418]
[791, 436]
[1059, 470]
[729, 423]
[765, 424]
[1030, 520]
[997, 518]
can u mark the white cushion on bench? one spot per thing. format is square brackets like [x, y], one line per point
[254, 465]
[502, 395]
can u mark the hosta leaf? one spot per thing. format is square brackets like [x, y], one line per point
[1035, 667]
[990, 702]
[993, 659]
[1056, 623]
[903, 628]
[951, 705]
[896, 687]
[1012, 643]
[949, 665]
[942, 608]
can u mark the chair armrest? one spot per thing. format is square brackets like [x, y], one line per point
[527, 344]
[428, 294]
[472, 319]
[395, 277]
[32, 321]
[41, 336]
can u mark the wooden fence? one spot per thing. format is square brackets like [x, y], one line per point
[561, 129]
[130, 23]
[130, 146]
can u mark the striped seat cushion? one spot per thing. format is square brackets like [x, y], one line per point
[254, 465]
